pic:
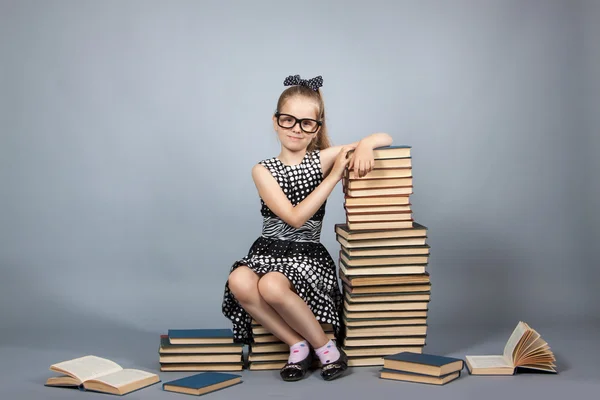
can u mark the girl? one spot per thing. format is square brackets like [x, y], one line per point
[287, 281]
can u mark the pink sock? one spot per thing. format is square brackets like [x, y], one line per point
[298, 352]
[328, 353]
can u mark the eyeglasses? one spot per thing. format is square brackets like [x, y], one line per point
[307, 125]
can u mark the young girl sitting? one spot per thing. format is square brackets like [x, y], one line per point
[287, 282]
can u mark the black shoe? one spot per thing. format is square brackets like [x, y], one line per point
[335, 369]
[296, 371]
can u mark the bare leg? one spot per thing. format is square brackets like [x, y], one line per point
[243, 283]
[277, 291]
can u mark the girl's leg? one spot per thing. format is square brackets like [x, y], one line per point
[243, 283]
[277, 291]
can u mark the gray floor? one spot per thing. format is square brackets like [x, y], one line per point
[27, 355]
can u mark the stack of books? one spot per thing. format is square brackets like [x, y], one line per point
[382, 262]
[421, 368]
[200, 350]
[267, 352]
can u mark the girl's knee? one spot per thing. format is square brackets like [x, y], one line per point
[242, 283]
[273, 286]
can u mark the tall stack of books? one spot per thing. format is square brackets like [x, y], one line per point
[200, 350]
[382, 262]
[269, 353]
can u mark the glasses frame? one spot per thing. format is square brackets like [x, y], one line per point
[298, 120]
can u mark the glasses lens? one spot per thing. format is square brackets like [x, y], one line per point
[309, 125]
[286, 121]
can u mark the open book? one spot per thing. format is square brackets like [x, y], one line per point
[100, 375]
[524, 349]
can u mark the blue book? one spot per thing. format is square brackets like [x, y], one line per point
[386, 373]
[424, 364]
[202, 383]
[200, 336]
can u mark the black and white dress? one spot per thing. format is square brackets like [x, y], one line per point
[296, 253]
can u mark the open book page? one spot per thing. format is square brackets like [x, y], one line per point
[87, 367]
[490, 362]
[513, 341]
[124, 377]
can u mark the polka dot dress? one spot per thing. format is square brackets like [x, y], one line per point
[296, 253]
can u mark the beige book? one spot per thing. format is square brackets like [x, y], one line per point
[433, 380]
[387, 251]
[380, 217]
[524, 349]
[368, 261]
[386, 331]
[100, 375]
[263, 357]
[361, 315]
[200, 367]
[377, 209]
[377, 200]
[386, 289]
[381, 243]
[396, 191]
[383, 173]
[365, 183]
[383, 322]
[385, 341]
[200, 358]
[383, 270]
[378, 298]
[400, 306]
[380, 351]
[269, 347]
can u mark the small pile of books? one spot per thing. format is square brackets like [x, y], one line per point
[269, 353]
[382, 261]
[421, 368]
[200, 350]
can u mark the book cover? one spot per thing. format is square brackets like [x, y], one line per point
[202, 383]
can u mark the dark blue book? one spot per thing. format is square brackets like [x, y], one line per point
[202, 383]
[424, 364]
[386, 373]
[200, 336]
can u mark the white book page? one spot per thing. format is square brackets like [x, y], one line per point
[87, 367]
[489, 362]
[514, 340]
[124, 377]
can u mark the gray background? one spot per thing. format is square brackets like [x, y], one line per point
[129, 128]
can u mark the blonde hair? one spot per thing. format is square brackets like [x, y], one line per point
[322, 140]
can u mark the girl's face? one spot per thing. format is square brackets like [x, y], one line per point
[293, 134]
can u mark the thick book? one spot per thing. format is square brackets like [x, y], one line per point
[417, 230]
[166, 347]
[202, 383]
[524, 350]
[97, 374]
[424, 364]
[200, 336]
[391, 374]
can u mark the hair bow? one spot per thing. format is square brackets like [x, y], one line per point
[313, 83]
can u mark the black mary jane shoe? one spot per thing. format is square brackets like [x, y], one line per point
[335, 369]
[296, 371]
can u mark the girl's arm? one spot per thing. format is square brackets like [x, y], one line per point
[296, 216]
[362, 160]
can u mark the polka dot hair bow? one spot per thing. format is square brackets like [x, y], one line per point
[313, 83]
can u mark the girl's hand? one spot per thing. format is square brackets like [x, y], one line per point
[362, 161]
[341, 162]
